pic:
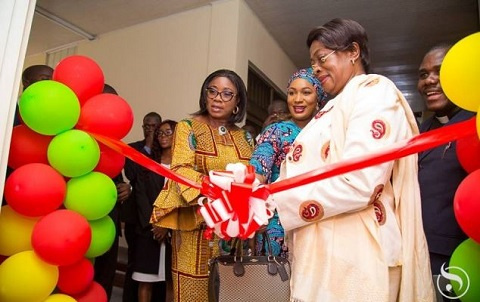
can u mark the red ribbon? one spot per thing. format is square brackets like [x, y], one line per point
[416, 144]
[143, 160]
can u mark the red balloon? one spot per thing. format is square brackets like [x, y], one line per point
[466, 205]
[35, 190]
[111, 162]
[468, 153]
[27, 146]
[94, 293]
[82, 75]
[106, 114]
[62, 237]
[75, 278]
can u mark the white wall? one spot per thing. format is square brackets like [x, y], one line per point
[156, 66]
[160, 65]
[256, 45]
[36, 59]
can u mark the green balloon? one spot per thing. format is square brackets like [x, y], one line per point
[465, 263]
[49, 107]
[92, 195]
[73, 153]
[103, 235]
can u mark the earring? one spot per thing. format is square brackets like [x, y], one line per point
[235, 110]
[353, 61]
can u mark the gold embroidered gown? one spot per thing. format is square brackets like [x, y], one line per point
[197, 149]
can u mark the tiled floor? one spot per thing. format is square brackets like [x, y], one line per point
[116, 294]
[122, 258]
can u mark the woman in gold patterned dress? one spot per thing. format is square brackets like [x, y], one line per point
[209, 140]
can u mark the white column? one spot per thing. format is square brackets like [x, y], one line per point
[15, 22]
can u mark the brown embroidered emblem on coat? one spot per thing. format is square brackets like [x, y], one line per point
[380, 212]
[379, 129]
[311, 210]
[322, 112]
[297, 153]
[377, 192]
[325, 151]
[372, 82]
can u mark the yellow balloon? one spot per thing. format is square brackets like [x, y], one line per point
[60, 298]
[460, 73]
[478, 125]
[26, 277]
[15, 231]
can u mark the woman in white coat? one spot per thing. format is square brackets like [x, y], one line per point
[357, 236]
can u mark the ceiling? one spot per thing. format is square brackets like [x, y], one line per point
[400, 32]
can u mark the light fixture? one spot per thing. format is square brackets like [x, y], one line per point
[64, 23]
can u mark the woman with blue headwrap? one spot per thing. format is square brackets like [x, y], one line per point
[305, 97]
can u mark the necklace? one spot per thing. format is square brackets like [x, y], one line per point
[222, 130]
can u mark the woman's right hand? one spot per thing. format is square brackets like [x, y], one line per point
[262, 229]
[149, 138]
[159, 233]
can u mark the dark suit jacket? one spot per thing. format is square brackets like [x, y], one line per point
[129, 210]
[146, 187]
[115, 212]
[439, 175]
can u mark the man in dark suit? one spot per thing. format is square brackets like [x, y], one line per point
[440, 172]
[151, 121]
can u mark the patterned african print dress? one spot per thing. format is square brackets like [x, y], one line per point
[197, 149]
[273, 144]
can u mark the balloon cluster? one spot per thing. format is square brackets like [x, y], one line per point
[61, 190]
[459, 75]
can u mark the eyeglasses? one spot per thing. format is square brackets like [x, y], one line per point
[167, 132]
[321, 59]
[225, 95]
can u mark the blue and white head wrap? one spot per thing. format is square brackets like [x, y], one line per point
[307, 74]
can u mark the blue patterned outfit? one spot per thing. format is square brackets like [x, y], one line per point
[273, 144]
